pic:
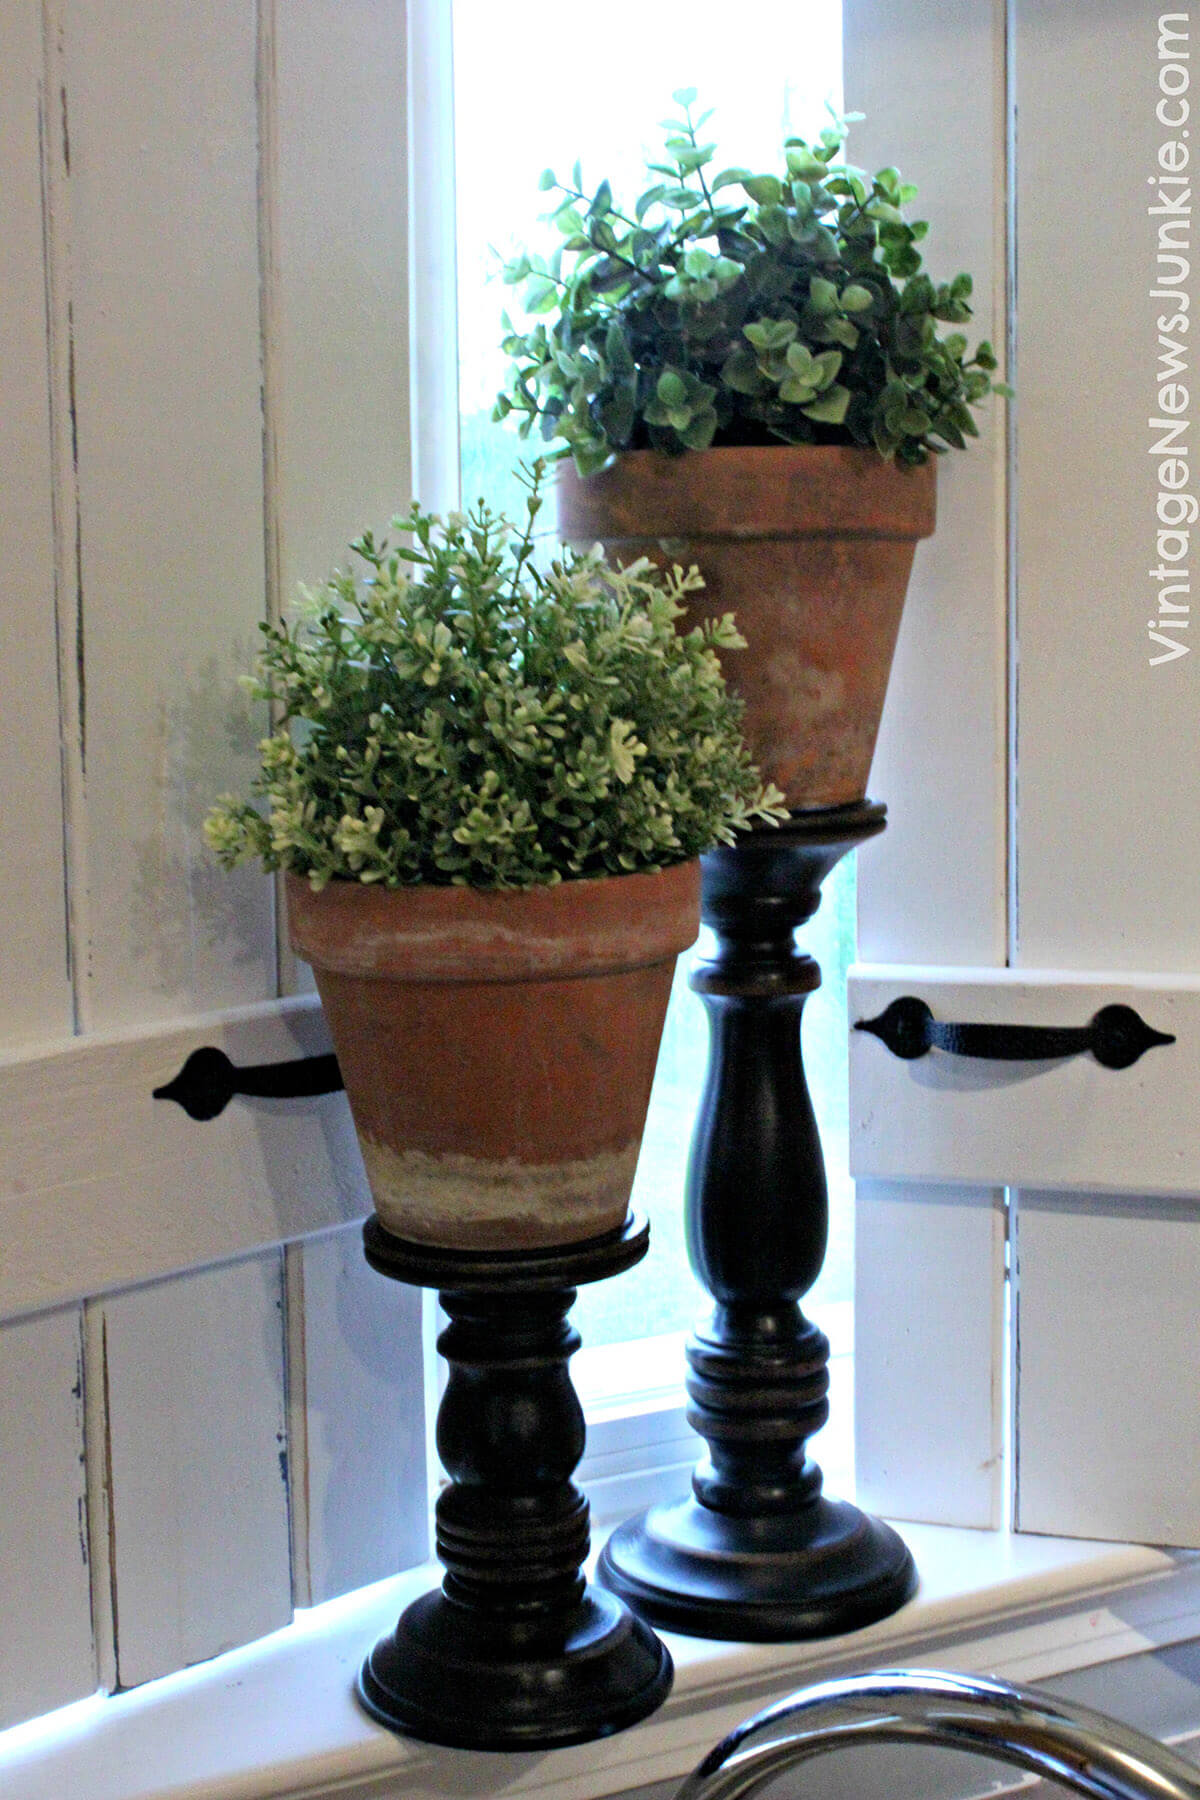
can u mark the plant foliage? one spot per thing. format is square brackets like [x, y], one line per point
[459, 716]
[735, 308]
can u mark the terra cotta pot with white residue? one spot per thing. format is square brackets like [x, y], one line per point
[498, 1046]
[811, 547]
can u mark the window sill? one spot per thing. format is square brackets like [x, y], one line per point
[276, 1721]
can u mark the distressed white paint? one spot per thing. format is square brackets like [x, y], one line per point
[433, 254]
[165, 306]
[136, 1187]
[46, 1655]
[934, 886]
[220, 402]
[1108, 1367]
[335, 239]
[33, 940]
[1110, 783]
[360, 1385]
[929, 1320]
[1066, 1122]
[338, 327]
[197, 1457]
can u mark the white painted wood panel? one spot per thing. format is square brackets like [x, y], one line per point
[933, 887]
[929, 1305]
[360, 1385]
[166, 334]
[136, 1187]
[33, 931]
[46, 1655]
[338, 325]
[1067, 1122]
[433, 254]
[1110, 784]
[197, 1459]
[1108, 1368]
[335, 227]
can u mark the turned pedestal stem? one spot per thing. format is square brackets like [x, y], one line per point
[757, 1550]
[516, 1651]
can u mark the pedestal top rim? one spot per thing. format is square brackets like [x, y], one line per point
[471, 1271]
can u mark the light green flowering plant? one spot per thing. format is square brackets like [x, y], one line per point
[460, 716]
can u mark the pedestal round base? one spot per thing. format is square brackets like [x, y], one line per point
[481, 1683]
[826, 1569]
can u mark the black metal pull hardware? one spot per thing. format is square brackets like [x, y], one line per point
[208, 1081]
[1116, 1036]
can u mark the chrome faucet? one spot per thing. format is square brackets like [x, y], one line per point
[1067, 1743]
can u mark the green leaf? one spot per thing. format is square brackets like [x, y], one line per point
[773, 222]
[837, 331]
[650, 198]
[547, 180]
[828, 366]
[770, 334]
[684, 96]
[671, 388]
[830, 409]
[699, 434]
[616, 349]
[728, 178]
[740, 371]
[601, 201]
[764, 190]
[541, 296]
[801, 161]
[822, 295]
[795, 391]
[856, 298]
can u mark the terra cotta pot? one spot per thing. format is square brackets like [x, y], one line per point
[498, 1047]
[811, 547]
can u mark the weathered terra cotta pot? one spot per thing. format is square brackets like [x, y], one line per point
[811, 546]
[498, 1047]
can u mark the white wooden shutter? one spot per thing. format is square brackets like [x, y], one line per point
[203, 395]
[1101, 1167]
[46, 1655]
[929, 76]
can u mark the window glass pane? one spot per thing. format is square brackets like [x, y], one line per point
[539, 85]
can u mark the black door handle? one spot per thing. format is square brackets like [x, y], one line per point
[208, 1081]
[1116, 1036]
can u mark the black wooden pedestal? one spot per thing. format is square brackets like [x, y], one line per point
[516, 1652]
[757, 1551]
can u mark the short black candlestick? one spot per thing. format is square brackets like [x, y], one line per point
[757, 1551]
[516, 1651]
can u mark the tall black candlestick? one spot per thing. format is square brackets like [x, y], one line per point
[757, 1551]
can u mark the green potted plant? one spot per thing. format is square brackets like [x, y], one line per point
[748, 372]
[488, 784]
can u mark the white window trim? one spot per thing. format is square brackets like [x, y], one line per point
[277, 1720]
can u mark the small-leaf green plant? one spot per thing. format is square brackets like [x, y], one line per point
[461, 716]
[738, 308]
